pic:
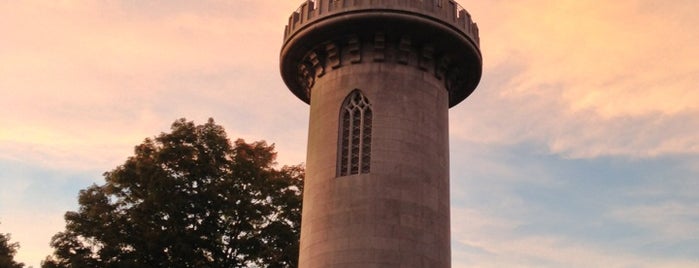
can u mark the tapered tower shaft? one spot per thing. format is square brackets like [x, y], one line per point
[380, 76]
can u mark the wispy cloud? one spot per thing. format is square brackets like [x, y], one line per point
[667, 220]
[484, 240]
[526, 208]
[587, 78]
[127, 69]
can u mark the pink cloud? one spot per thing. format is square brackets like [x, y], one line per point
[93, 74]
[570, 73]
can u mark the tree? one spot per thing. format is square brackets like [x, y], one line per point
[7, 252]
[188, 198]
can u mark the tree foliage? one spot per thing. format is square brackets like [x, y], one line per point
[7, 252]
[189, 198]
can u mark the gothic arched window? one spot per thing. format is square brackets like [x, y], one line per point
[355, 135]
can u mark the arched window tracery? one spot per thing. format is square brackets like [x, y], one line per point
[355, 135]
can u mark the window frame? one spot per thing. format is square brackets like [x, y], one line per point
[354, 135]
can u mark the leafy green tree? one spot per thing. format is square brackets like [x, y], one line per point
[7, 252]
[189, 198]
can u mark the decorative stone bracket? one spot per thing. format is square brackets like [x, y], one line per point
[379, 48]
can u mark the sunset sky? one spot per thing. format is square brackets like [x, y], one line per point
[580, 147]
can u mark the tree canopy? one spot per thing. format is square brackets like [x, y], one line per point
[7, 252]
[188, 198]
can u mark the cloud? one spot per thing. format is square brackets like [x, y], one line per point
[483, 240]
[668, 220]
[33, 231]
[127, 69]
[617, 59]
[517, 206]
[33, 200]
[586, 78]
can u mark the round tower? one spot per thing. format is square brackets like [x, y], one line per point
[380, 76]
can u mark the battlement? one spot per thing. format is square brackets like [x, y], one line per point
[446, 11]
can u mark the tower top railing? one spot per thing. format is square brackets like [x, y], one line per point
[446, 11]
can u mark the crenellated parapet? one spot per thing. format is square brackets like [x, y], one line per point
[446, 11]
[434, 36]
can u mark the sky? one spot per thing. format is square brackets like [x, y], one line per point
[578, 149]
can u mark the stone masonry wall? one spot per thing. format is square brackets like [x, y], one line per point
[397, 215]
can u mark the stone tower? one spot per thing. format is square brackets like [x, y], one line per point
[380, 76]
